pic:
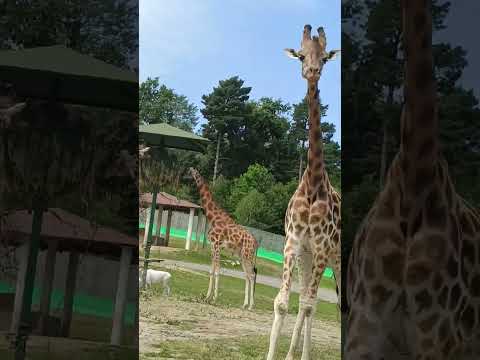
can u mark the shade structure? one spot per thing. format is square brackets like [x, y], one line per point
[72, 232]
[165, 135]
[167, 201]
[70, 77]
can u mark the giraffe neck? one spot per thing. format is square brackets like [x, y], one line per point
[208, 204]
[419, 143]
[315, 169]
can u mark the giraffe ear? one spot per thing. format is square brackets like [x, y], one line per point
[293, 54]
[332, 55]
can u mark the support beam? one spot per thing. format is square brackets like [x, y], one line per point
[47, 283]
[169, 224]
[70, 284]
[136, 335]
[25, 326]
[121, 298]
[147, 226]
[148, 242]
[22, 257]
[159, 225]
[190, 229]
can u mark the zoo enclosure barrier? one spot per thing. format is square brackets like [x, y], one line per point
[271, 245]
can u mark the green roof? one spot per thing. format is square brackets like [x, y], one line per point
[69, 76]
[165, 135]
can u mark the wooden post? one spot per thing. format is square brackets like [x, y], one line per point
[70, 284]
[190, 229]
[28, 280]
[17, 306]
[147, 225]
[137, 320]
[159, 225]
[169, 223]
[48, 275]
[148, 243]
[121, 298]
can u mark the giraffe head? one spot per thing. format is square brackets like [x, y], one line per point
[313, 53]
[143, 151]
[7, 115]
[196, 175]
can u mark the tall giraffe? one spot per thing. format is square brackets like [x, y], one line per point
[312, 220]
[414, 277]
[224, 232]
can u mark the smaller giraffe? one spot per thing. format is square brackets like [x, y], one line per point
[224, 232]
[312, 219]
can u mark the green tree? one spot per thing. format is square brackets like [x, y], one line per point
[257, 177]
[105, 28]
[252, 210]
[225, 110]
[159, 104]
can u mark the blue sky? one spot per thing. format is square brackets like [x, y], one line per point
[191, 45]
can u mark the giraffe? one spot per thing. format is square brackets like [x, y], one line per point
[224, 232]
[413, 284]
[312, 220]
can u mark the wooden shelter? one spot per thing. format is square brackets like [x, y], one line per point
[171, 203]
[64, 231]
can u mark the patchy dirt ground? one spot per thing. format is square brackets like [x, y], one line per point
[165, 319]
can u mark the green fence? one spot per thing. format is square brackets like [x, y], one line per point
[82, 303]
[261, 253]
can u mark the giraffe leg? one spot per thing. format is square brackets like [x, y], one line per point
[247, 285]
[304, 262]
[251, 277]
[337, 270]
[213, 282]
[210, 285]
[216, 272]
[309, 303]
[280, 304]
[252, 285]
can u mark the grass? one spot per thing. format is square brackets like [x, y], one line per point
[192, 287]
[202, 256]
[251, 348]
[43, 348]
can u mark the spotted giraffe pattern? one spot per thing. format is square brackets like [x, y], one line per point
[413, 285]
[312, 219]
[224, 232]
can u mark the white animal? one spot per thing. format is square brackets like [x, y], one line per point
[157, 277]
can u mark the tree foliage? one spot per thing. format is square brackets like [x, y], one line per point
[159, 104]
[107, 29]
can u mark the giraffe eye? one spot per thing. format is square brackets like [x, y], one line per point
[301, 57]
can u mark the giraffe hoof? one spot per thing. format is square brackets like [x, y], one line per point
[244, 306]
[250, 307]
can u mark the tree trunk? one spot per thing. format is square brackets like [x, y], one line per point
[215, 169]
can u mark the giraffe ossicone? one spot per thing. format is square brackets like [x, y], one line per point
[313, 216]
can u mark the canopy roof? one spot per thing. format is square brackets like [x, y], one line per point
[165, 135]
[167, 201]
[69, 77]
[71, 231]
